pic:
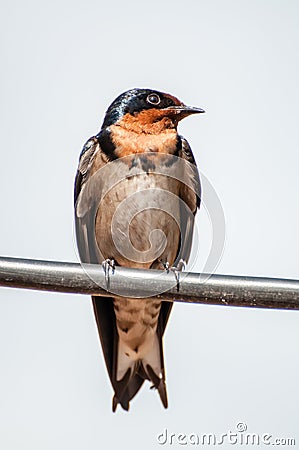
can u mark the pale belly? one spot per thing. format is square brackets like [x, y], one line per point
[137, 223]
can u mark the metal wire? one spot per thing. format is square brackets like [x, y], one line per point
[194, 288]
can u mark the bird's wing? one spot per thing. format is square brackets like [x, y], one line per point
[190, 193]
[85, 211]
[90, 184]
[85, 160]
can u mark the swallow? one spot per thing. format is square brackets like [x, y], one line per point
[137, 190]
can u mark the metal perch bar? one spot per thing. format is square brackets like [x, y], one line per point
[75, 278]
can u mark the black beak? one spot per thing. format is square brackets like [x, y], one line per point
[184, 111]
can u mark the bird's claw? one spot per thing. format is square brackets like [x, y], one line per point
[166, 266]
[176, 270]
[108, 267]
[180, 267]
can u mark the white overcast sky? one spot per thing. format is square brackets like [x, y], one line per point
[62, 63]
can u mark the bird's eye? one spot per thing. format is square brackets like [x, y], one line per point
[153, 99]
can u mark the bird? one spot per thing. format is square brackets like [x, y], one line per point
[137, 190]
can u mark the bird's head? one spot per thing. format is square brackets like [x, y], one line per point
[147, 111]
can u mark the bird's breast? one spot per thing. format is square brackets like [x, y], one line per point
[137, 221]
[128, 142]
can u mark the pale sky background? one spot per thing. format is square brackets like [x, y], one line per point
[62, 64]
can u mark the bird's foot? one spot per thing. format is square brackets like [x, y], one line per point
[166, 266]
[176, 270]
[109, 268]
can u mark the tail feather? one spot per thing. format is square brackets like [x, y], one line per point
[130, 390]
[159, 384]
[126, 388]
[150, 367]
